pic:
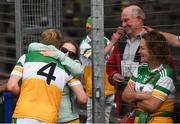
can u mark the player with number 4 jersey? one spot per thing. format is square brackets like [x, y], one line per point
[43, 80]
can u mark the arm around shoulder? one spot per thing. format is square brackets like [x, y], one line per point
[74, 67]
[172, 39]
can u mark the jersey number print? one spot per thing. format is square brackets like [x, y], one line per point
[49, 76]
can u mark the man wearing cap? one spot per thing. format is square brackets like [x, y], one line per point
[85, 56]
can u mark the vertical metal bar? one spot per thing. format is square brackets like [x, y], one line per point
[59, 13]
[18, 27]
[97, 12]
[50, 13]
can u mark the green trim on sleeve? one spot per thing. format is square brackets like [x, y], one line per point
[162, 89]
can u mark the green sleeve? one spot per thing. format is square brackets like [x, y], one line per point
[73, 66]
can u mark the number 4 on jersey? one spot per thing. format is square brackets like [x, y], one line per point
[49, 76]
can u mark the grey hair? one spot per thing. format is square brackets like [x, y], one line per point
[137, 11]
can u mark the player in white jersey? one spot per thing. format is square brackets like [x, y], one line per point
[86, 59]
[152, 86]
[43, 80]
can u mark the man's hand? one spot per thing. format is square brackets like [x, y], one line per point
[117, 78]
[118, 34]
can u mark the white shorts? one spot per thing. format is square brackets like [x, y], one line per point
[29, 121]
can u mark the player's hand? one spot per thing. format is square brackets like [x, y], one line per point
[48, 53]
[88, 54]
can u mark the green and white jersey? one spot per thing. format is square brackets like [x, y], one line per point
[160, 81]
[43, 80]
[86, 49]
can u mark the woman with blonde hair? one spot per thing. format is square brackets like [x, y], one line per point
[51, 37]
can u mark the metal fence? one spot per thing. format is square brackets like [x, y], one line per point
[22, 21]
[7, 36]
[33, 16]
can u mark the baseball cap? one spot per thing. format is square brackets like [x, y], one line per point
[89, 22]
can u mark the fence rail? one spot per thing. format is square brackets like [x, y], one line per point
[70, 16]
